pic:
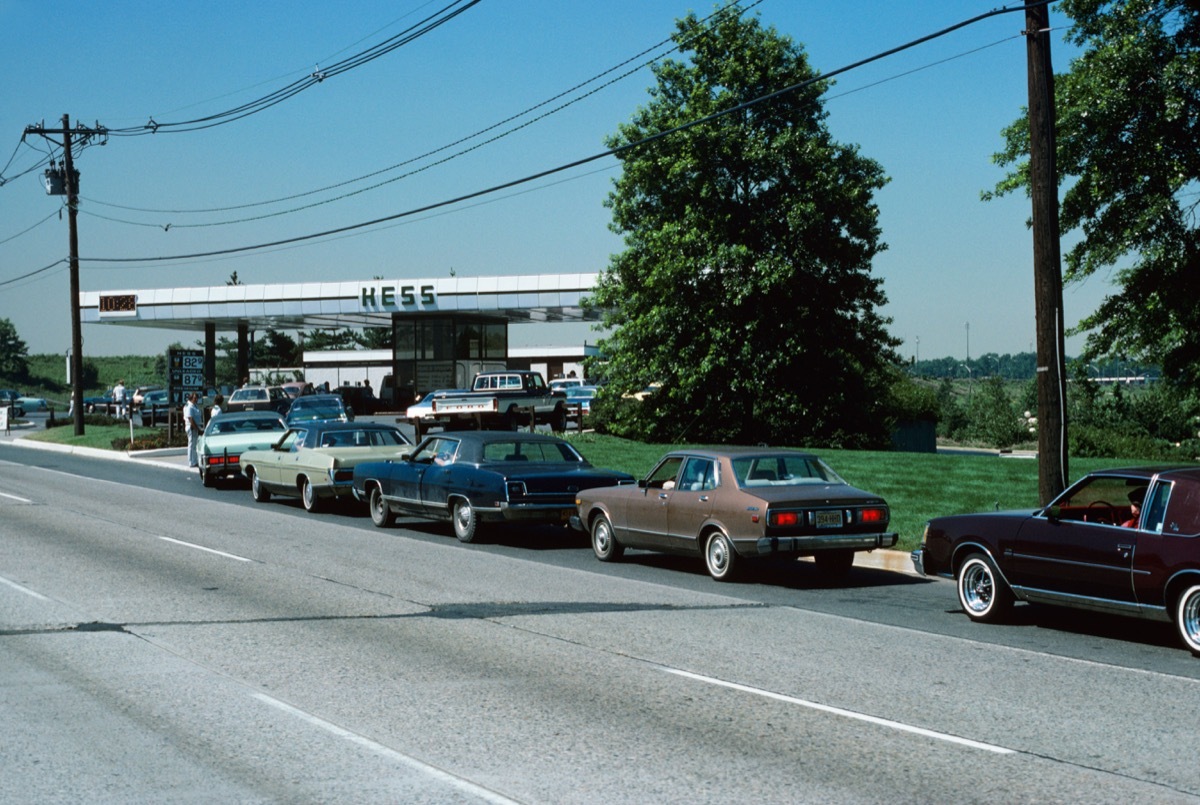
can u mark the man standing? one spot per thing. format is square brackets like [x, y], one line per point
[193, 422]
[119, 398]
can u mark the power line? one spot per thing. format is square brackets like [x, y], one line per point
[585, 160]
[430, 23]
[734, 4]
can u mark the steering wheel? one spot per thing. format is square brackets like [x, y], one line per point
[1111, 513]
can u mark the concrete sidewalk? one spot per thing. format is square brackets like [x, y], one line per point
[175, 458]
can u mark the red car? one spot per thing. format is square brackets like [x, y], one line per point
[1122, 541]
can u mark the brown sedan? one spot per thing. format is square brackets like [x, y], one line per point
[731, 504]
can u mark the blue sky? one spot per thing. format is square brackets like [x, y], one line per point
[958, 272]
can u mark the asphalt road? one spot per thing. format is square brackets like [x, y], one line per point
[164, 642]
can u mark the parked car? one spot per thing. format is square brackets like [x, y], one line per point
[479, 477]
[422, 412]
[259, 398]
[318, 408]
[155, 408]
[733, 504]
[561, 385]
[1120, 541]
[581, 396]
[11, 399]
[315, 461]
[297, 388]
[136, 396]
[102, 404]
[228, 435]
[33, 403]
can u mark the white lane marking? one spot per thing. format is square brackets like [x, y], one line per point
[883, 722]
[14, 497]
[432, 771]
[209, 550]
[21, 589]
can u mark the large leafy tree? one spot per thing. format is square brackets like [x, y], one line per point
[14, 354]
[1127, 132]
[745, 286]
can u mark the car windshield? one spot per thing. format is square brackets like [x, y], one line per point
[516, 450]
[783, 469]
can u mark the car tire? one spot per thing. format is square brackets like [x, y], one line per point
[465, 519]
[1187, 618]
[604, 542]
[207, 478]
[259, 492]
[381, 514]
[512, 419]
[308, 495]
[720, 558]
[834, 564]
[983, 595]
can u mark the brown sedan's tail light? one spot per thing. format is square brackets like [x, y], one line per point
[783, 519]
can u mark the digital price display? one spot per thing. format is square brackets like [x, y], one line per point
[185, 374]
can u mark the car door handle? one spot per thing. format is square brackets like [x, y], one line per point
[663, 496]
[704, 498]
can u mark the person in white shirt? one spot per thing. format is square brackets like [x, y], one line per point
[119, 398]
[193, 423]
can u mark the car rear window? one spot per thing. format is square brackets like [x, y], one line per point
[545, 452]
[783, 470]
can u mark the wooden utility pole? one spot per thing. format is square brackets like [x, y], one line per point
[1047, 261]
[73, 236]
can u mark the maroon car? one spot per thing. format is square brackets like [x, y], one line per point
[733, 504]
[1123, 541]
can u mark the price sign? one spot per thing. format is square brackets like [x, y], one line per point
[185, 373]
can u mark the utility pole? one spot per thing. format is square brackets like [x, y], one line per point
[65, 181]
[1047, 265]
[73, 237]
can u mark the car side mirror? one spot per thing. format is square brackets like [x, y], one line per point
[1053, 514]
[643, 483]
[349, 413]
[406, 457]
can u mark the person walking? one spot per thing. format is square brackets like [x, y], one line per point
[118, 395]
[193, 422]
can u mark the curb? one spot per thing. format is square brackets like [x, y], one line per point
[148, 457]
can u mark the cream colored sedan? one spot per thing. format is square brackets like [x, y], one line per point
[315, 461]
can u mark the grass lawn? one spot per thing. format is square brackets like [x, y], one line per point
[917, 486]
[98, 436]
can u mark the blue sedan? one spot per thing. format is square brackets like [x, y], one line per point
[484, 476]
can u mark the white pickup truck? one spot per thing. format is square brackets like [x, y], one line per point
[502, 401]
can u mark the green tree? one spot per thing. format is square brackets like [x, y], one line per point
[1128, 124]
[14, 354]
[745, 285]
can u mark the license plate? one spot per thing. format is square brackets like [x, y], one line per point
[829, 519]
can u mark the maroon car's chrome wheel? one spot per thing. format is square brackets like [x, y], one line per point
[1187, 618]
[983, 595]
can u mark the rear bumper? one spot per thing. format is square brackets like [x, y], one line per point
[818, 542]
[530, 513]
